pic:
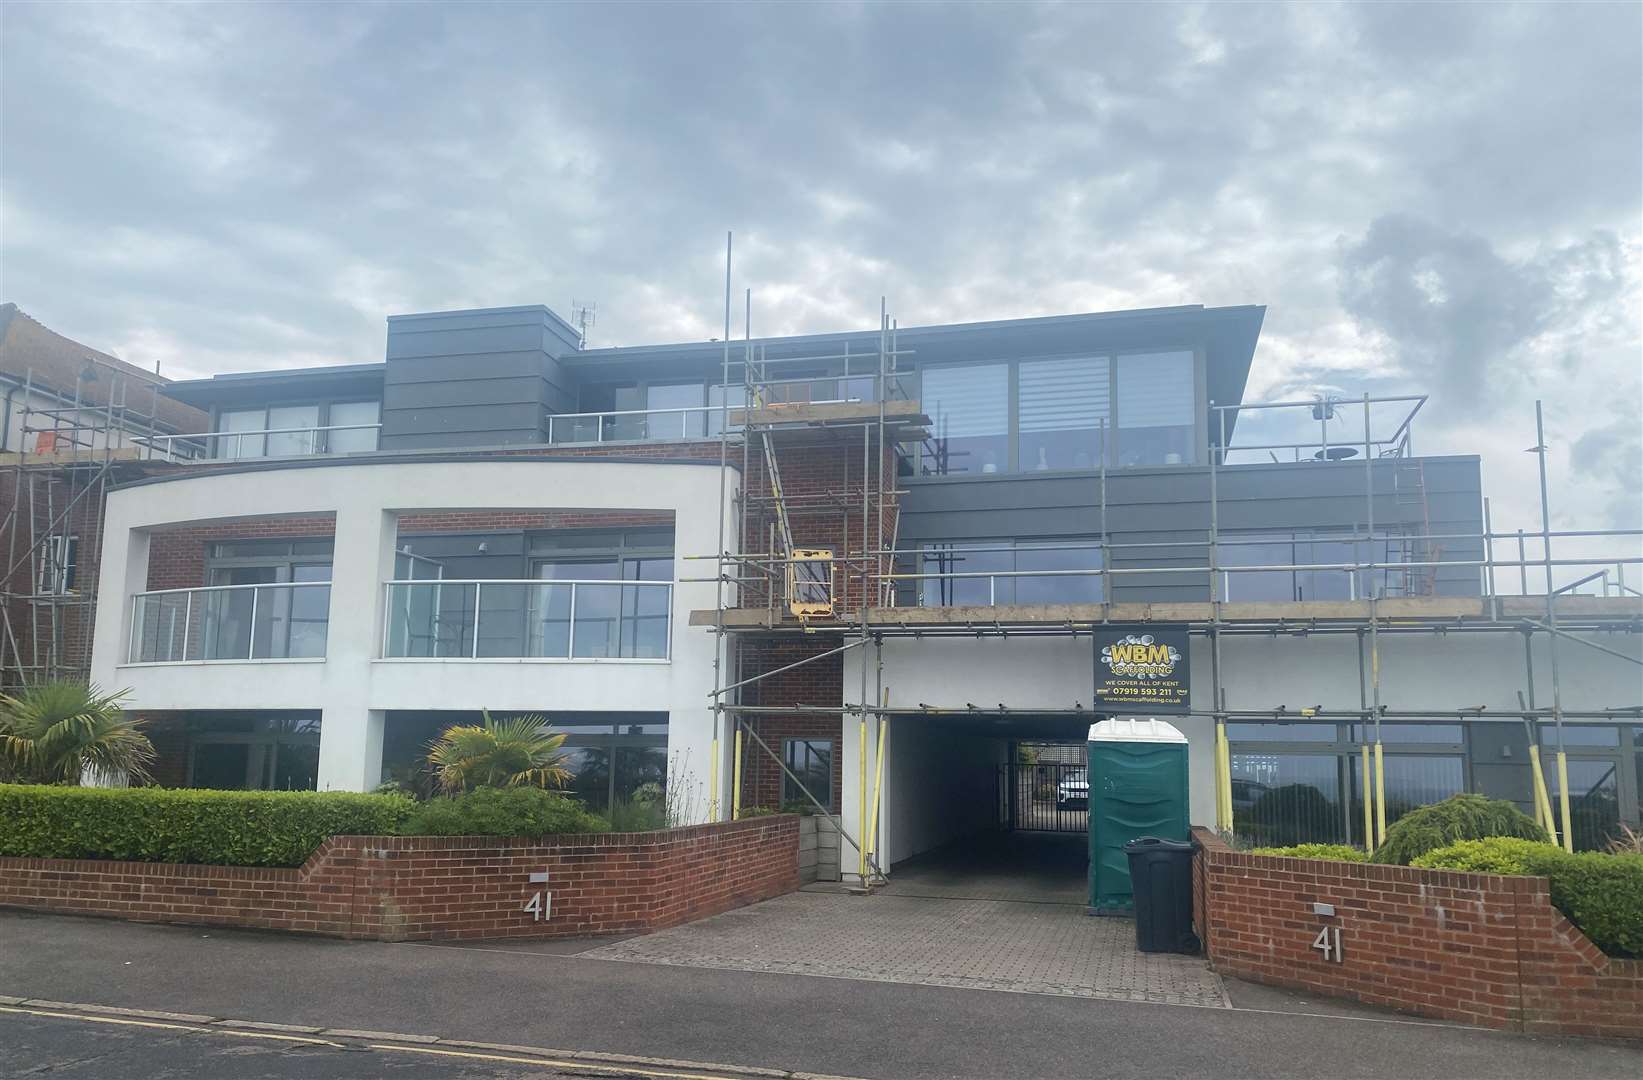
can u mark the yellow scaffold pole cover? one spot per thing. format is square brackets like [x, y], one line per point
[1380, 796]
[1223, 778]
[1368, 804]
[1563, 799]
[861, 790]
[713, 779]
[871, 839]
[1543, 801]
[736, 780]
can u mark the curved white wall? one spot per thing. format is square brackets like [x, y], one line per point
[352, 686]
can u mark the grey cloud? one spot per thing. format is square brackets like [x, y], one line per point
[1456, 311]
[1612, 456]
[256, 185]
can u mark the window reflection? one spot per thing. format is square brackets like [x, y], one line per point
[969, 410]
[1157, 411]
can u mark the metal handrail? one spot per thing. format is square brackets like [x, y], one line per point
[471, 624]
[199, 438]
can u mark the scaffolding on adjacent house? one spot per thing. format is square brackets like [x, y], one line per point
[52, 529]
[775, 591]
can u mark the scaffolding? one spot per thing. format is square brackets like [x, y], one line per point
[52, 528]
[1394, 586]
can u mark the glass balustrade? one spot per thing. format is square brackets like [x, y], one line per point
[565, 620]
[277, 621]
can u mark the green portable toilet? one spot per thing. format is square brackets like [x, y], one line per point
[1138, 787]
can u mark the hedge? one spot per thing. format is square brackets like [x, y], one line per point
[1338, 852]
[1602, 894]
[224, 828]
[515, 811]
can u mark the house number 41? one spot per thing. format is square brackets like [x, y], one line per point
[540, 904]
[1328, 942]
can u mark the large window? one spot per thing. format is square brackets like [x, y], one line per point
[1063, 409]
[985, 572]
[1296, 783]
[1061, 412]
[612, 762]
[266, 623]
[1605, 774]
[1311, 547]
[969, 410]
[297, 430]
[1157, 410]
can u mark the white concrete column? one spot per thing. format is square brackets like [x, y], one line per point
[350, 741]
[122, 573]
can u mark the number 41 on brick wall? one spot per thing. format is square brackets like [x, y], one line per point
[1328, 942]
[540, 904]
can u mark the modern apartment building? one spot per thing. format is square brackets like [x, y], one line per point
[871, 570]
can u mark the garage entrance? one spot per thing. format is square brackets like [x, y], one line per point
[987, 807]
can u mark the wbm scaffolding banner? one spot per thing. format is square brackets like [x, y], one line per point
[1142, 670]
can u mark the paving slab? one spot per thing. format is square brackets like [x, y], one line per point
[1021, 946]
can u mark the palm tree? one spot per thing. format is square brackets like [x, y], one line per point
[58, 732]
[499, 753]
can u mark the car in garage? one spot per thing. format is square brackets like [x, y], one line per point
[1073, 792]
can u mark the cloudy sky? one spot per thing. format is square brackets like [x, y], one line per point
[1442, 198]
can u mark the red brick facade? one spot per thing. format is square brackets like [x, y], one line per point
[42, 636]
[819, 683]
[176, 556]
[1478, 948]
[396, 888]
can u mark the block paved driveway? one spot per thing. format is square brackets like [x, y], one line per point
[1008, 916]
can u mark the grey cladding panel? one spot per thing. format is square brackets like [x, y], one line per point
[450, 343]
[416, 395]
[497, 365]
[458, 418]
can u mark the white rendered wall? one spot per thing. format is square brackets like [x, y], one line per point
[354, 687]
[1418, 671]
[938, 788]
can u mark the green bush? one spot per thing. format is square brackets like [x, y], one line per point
[225, 828]
[1459, 817]
[1495, 855]
[1600, 893]
[1338, 852]
[515, 811]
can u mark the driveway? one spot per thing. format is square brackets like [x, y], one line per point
[1001, 915]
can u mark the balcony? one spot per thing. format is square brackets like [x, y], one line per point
[635, 425]
[280, 442]
[284, 621]
[594, 620]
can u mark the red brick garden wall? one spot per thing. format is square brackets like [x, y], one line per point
[1478, 948]
[398, 888]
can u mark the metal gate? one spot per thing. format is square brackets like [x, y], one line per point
[1047, 796]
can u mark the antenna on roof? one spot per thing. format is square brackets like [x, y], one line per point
[581, 317]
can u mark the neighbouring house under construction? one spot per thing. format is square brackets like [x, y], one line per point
[75, 422]
[868, 574]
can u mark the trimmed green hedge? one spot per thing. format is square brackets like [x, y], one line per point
[223, 828]
[515, 811]
[1338, 852]
[1600, 893]
[1459, 817]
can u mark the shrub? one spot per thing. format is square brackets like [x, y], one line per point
[515, 811]
[1601, 894]
[1459, 817]
[1495, 855]
[57, 732]
[1338, 852]
[226, 828]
